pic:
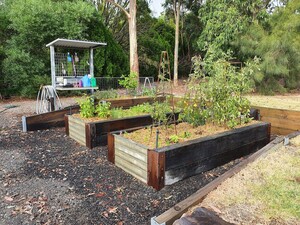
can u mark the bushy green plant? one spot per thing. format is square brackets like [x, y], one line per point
[117, 113]
[103, 109]
[132, 111]
[173, 138]
[159, 112]
[218, 98]
[129, 82]
[148, 91]
[86, 105]
[106, 94]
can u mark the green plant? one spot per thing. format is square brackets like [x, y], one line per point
[117, 113]
[129, 82]
[103, 109]
[186, 134]
[159, 112]
[132, 111]
[217, 98]
[148, 91]
[107, 94]
[173, 139]
[86, 104]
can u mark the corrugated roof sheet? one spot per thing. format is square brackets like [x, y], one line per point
[59, 42]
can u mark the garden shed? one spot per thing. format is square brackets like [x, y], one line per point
[70, 61]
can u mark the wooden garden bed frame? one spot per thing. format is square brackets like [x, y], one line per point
[56, 118]
[167, 165]
[92, 134]
[283, 121]
[175, 212]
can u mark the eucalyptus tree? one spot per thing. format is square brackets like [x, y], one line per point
[185, 14]
[131, 18]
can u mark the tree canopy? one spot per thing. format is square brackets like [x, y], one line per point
[265, 31]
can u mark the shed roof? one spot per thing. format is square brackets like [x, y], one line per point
[59, 42]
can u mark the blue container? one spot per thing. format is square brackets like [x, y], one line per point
[86, 81]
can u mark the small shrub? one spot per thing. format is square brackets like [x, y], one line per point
[107, 94]
[148, 91]
[174, 139]
[159, 112]
[86, 105]
[217, 98]
[129, 82]
[103, 109]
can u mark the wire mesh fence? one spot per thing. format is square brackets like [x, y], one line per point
[106, 83]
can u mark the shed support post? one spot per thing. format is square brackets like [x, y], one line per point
[92, 62]
[53, 75]
[52, 58]
[92, 65]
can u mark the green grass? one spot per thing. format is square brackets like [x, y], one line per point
[279, 190]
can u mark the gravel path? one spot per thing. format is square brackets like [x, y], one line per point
[11, 111]
[47, 178]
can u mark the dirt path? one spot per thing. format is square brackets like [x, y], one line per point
[47, 178]
[11, 111]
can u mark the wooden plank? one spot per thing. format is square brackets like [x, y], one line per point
[106, 126]
[281, 131]
[67, 124]
[88, 138]
[93, 135]
[179, 173]
[56, 118]
[184, 153]
[176, 211]
[90, 135]
[282, 122]
[279, 113]
[49, 119]
[156, 169]
[111, 147]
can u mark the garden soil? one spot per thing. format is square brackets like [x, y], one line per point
[47, 178]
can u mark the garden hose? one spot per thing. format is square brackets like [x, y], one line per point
[43, 101]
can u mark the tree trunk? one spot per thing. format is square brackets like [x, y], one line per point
[134, 61]
[177, 18]
[133, 52]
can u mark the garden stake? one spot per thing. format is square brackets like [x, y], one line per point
[157, 133]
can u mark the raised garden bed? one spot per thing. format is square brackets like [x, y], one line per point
[167, 165]
[283, 121]
[92, 134]
[56, 118]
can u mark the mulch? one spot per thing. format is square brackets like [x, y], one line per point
[47, 178]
